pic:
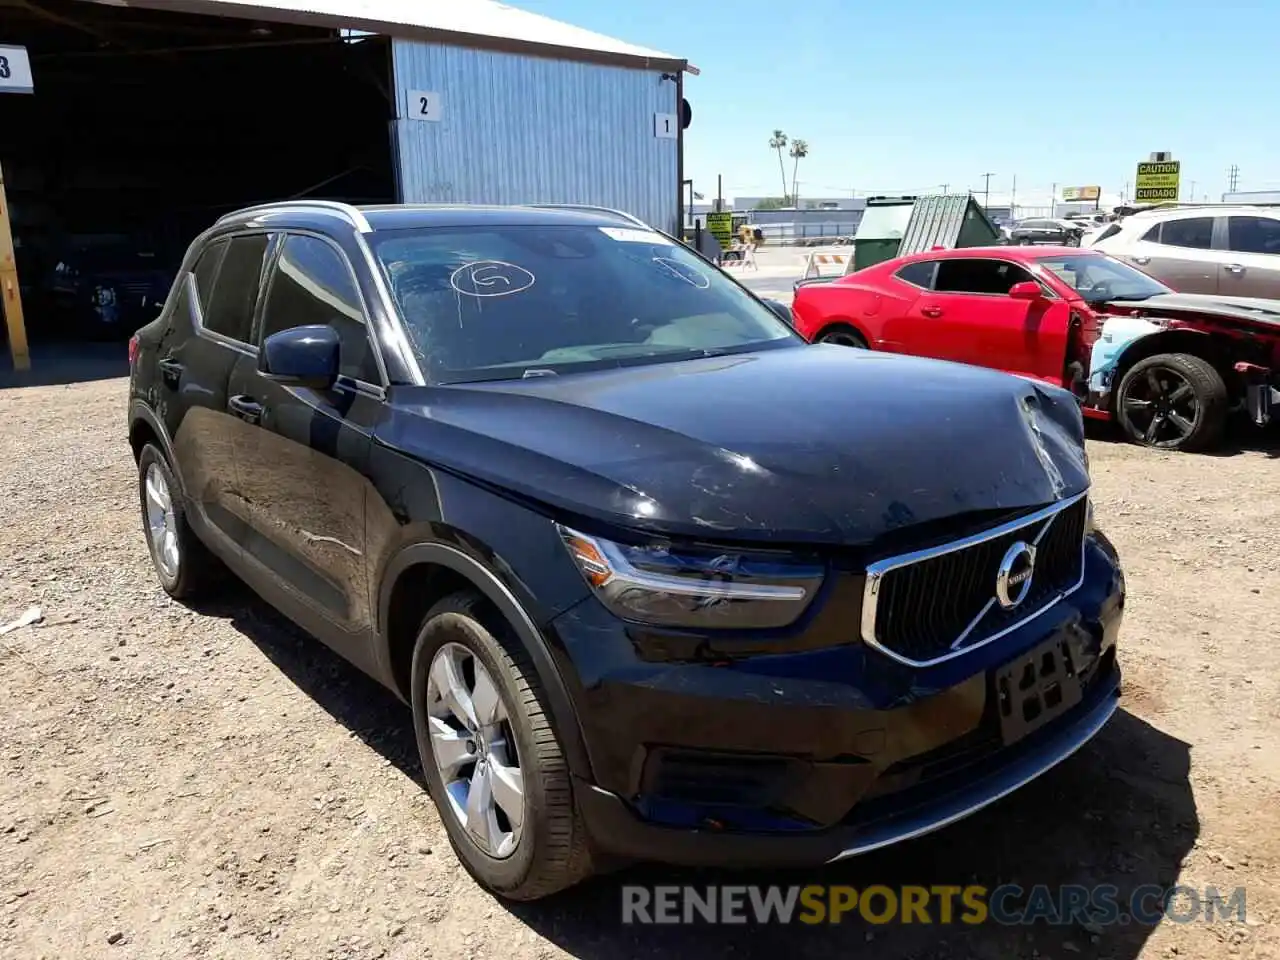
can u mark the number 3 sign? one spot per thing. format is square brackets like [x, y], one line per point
[425, 105]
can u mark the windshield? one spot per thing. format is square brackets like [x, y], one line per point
[488, 302]
[1098, 278]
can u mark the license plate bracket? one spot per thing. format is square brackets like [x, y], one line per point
[1033, 689]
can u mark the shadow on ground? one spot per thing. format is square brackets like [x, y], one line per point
[55, 364]
[1241, 436]
[1121, 812]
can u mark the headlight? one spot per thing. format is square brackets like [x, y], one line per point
[1089, 526]
[667, 585]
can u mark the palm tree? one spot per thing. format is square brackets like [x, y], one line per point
[799, 150]
[779, 142]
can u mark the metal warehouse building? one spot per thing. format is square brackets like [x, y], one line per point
[149, 118]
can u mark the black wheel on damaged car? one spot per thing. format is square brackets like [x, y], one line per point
[492, 760]
[843, 336]
[1173, 401]
[185, 567]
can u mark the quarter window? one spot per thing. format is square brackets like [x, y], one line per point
[919, 274]
[206, 269]
[312, 284]
[1195, 233]
[1253, 235]
[229, 310]
[993, 277]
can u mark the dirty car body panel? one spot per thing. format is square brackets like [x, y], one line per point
[913, 643]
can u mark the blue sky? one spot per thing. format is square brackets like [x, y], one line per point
[906, 96]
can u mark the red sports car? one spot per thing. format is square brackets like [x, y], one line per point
[1168, 366]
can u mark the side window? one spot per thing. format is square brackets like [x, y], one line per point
[312, 284]
[1253, 235]
[1194, 232]
[1152, 235]
[978, 276]
[919, 274]
[206, 269]
[229, 310]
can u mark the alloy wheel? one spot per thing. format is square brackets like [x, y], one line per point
[162, 527]
[1162, 406]
[474, 749]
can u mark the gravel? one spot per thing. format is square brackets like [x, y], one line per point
[211, 783]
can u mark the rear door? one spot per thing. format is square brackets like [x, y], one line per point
[1252, 267]
[210, 333]
[969, 317]
[303, 454]
[1179, 252]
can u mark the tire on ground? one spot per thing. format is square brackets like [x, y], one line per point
[553, 852]
[1208, 386]
[199, 571]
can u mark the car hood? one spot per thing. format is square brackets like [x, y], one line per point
[818, 444]
[1248, 310]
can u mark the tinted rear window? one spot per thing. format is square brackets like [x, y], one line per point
[235, 292]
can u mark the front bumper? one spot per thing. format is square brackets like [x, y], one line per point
[614, 827]
[805, 751]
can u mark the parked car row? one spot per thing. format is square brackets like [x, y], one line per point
[1168, 367]
[658, 579]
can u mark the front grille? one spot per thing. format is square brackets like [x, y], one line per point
[917, 610]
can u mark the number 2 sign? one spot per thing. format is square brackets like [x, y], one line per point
[425, 105]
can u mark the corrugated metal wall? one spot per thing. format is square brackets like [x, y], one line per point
[518, 129]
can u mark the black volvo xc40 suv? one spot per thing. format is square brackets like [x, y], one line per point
[658, 579]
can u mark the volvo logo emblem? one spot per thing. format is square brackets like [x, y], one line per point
[1013, 578]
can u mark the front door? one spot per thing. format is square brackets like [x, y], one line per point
[302, 464]
[1179, 253]
[969, 317]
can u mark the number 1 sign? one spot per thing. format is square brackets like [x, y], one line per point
[425, 105]
[665, 126]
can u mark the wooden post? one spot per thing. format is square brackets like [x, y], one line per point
[10, 293]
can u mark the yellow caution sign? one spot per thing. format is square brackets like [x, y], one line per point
[721, 227]
[1157, 181]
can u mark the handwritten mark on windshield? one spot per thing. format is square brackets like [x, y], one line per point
[490, 278]
[683, 271]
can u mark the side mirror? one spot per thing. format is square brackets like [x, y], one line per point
[782, 310]
[1026, 290]
[301, 357]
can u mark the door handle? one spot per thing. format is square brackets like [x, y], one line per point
[931, 311]
[170, 371]
[246, 408]
[1142, 261]
[1234, 268]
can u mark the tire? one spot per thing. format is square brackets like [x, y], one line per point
[844, 336]
[190, 571]
[549, 849]
[1185, 393]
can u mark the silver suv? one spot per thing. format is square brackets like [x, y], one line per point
[1214, 249]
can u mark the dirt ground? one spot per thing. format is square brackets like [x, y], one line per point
[213, 784]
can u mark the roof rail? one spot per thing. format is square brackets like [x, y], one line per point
[594, 209]
[346, 211]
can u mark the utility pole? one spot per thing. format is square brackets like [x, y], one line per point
[1053, 199]
[1192, 198]
[719, 193]
[986, 190]
[1013, 198]
[1233, 178]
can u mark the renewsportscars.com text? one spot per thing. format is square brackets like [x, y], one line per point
[1009, 904]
